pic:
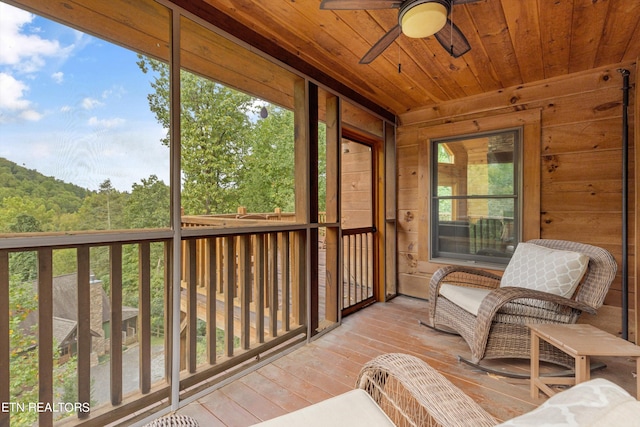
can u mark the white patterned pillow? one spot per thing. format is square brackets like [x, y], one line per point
[597, 403]
[544, 269]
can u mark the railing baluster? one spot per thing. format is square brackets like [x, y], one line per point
[366, 265]
[299, 279]
[45, 333]
[229, 285]
[244, 283]
[272, 283]
[285, 266]
[258, 267]
[4, 335]
[144, 315]
[220, 263]
[350, 260]
[116, 323]
[168, 308]
[84, 328]
[202, 264]
[359, 281]
[192, 305]
[212, 290]
[183, 262]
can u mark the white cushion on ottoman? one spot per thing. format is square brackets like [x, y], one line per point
[587, 404]
[354, 408]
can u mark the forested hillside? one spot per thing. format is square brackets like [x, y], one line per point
[32, 202]
[24, 187]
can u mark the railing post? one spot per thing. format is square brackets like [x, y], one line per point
[244, 283]
[258, 266]
[272, 283]
[229, 285]
[192, 305]
[116, 323]
[212, 299]
[84, 328]
[5, 395]
[144, 315]
[285, 265]
[45, 333]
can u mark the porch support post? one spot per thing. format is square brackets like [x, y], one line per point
[333, 246]
[388, 286]
[636, 210]
[176, 215]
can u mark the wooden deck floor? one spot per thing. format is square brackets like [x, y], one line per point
[329, 365]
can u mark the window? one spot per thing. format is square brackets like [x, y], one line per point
[237, 143]
[475, 188]
[80, 148]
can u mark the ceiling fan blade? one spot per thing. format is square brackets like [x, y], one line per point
[359, 4]
[452, 40]
[381, 45]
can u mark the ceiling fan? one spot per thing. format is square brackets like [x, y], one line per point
[416, 19]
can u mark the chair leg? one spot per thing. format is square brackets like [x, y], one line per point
[423, 323]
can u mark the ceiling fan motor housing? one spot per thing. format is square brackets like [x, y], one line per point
[423, 18]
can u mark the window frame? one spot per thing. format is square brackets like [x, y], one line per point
[438, 255]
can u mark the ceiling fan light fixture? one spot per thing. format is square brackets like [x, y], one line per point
[423, 18]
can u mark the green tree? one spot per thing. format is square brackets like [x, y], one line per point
[214, 125]
[15, 210]
[23, 265]
[102, 210]
[268, 179]
[55, 195]
[148, 204]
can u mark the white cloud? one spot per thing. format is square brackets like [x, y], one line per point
[12, 93]
[58, 77]
[24, 52]
[90, 103]
[116, 91]
[106, 123]
[30, 115]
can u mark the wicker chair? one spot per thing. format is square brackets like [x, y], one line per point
[412, 393]
[500, 328]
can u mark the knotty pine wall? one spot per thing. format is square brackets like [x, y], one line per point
[577, 169]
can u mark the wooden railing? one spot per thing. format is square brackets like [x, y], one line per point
[87, 296]
[243, 297]
[357, 280]
[251, 287]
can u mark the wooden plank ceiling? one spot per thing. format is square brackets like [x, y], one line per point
[513, 42]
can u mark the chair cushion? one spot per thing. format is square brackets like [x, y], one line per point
[350, 409]
[597, 402]
[464, 297]
[544, 269]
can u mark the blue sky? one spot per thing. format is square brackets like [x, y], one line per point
[75, 107]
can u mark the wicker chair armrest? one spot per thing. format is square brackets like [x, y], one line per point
[501, 296]
[498, 298]
[413, 393]
[462, 276]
